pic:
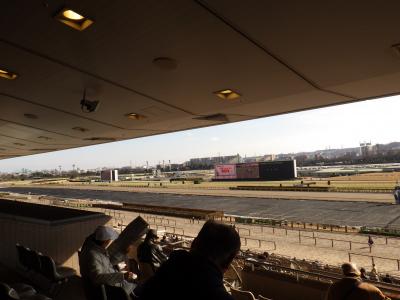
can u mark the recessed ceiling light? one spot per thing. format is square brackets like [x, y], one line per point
[70, 14]
[7, 74]
[81, 129]
[30, 116]
[135, 116]
[73, 19]
[227, 94]
[165, 63]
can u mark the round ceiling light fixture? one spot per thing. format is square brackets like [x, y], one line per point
[135, 116]
[165, 63]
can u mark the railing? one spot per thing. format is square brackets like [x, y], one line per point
[349, 243]
[260, 241]
[167, 227]
[302, 227]
[155, 219]
[250, 266]
[373, 257]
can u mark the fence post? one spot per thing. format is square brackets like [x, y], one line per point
[398, 265]
[350, 244]
[315, 241]
[273, 230]
[372, 259]
[349, 257]
[286, 231]
[332, 243]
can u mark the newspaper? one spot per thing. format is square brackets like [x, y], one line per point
[134, 231]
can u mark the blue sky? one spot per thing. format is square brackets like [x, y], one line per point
[339, 126]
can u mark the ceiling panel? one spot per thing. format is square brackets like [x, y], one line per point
[331, 43]
[210, 55]
[45, 83]
[281, 56]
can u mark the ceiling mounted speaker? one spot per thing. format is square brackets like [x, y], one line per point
[214, 117]
[165, 63]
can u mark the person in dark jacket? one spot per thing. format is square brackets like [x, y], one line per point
[363, 274]
[150, 252]
[351, 287]
[396, 194]
[387, 279]
[198, 273]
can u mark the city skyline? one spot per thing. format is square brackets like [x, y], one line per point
[339, 126]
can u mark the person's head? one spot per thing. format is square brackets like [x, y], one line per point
[363, 271]
[104, 236]
[151, 235]
[350, 269]
[217, 242]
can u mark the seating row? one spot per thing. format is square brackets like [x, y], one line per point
[19, 292]
[31, 260]
[245, 295]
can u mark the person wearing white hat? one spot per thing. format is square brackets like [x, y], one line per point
[95, 263]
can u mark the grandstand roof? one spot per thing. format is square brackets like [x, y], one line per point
[280, 57]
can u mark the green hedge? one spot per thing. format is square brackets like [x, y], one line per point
[380, 231]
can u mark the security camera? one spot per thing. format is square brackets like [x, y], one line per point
[88, 106]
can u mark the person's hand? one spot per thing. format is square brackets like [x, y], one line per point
[129, 276]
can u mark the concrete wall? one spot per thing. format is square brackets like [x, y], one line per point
[60, 241]
[282, 286]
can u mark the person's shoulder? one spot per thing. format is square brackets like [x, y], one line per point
[370, 288]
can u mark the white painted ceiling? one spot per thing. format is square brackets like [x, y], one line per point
[282, 56]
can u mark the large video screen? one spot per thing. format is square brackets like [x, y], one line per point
[248, 171]
[225, 171]
[278, 170]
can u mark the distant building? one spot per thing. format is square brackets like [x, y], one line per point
[269, 157]
[210, 162]
[366, 149]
